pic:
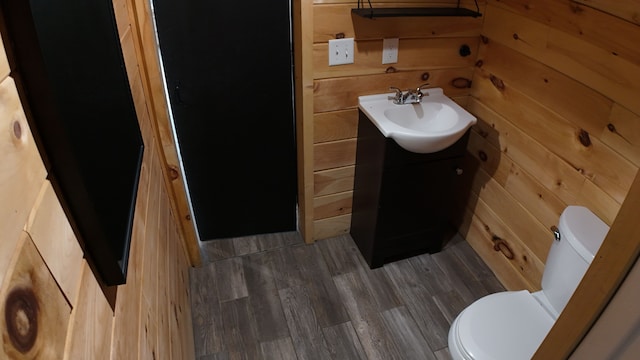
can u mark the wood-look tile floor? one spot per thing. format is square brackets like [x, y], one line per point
[274, 297]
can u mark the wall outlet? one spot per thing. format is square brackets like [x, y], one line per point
[341, 51]
[390, 51]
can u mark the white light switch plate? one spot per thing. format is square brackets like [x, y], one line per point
[390, 51]
[341, 51]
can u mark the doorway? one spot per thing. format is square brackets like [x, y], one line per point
[229, 75]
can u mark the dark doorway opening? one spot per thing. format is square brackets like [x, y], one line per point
[228, 69]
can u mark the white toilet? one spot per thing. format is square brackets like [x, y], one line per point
[511, 325]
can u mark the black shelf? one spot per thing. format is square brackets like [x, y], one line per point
[371, 13]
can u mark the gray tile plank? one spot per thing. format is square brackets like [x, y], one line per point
[257, 243]
[443, 354]
[343, 343]
[418, 297]
[430, 275]
[341, 255]
[239, 334]
[305, 331]
[477, 268]
[285, 268]
[431, 322]
[278, 240]
[381, 288]
[203, 293]
[406, 335]
[217, 356]
[322, 290]
[404, 277]
[450, 304]
[208, 338]
[205, 311]
[229, 279]
[214, 250]
[263, 297]
[365, 316]
[246, 245]
[466, 284]
[492, 285]
[278, 349]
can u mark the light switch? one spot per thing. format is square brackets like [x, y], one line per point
[390, 51]
[341, 51]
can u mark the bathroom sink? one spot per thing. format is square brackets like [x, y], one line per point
[431, 125]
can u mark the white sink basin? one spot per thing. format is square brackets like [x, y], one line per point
[434, 124]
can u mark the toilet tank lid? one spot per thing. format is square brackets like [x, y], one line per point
[583, 229]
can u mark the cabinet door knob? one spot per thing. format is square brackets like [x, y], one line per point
[459, 171]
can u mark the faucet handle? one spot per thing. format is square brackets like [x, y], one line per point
[423, 86]
[398, 98]
[419, 93]
[397, 90]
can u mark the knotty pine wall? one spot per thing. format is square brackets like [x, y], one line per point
[555, 86]
[39, 252]
[556, 90]
[428, 53]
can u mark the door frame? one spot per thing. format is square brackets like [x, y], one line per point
[180, 176]
[147, 50]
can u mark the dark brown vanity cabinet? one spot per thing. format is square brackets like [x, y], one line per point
[402, 201]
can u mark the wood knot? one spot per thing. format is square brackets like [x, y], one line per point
[425, 76]
[584, 138]
[484, 39]
[21, 317]
[188, 217]
[483, 156]
[390, 70]
[173, 173]
[497, 82]
[479, 63]
[17, 129]
[461, 83]
[515, 36]
[611, 127]
[502, 246]
[464, 50]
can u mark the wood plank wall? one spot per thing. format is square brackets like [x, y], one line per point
[555, 86]
[556, 92]
[40, 255]
[428, 53]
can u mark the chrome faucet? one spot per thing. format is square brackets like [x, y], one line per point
[411, 96]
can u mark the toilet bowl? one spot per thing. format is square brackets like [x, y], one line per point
[511, 325]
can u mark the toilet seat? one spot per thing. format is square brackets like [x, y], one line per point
[507, 325]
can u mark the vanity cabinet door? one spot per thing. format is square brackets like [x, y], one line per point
[416, 199]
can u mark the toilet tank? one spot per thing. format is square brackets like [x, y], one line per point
[581, 234]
